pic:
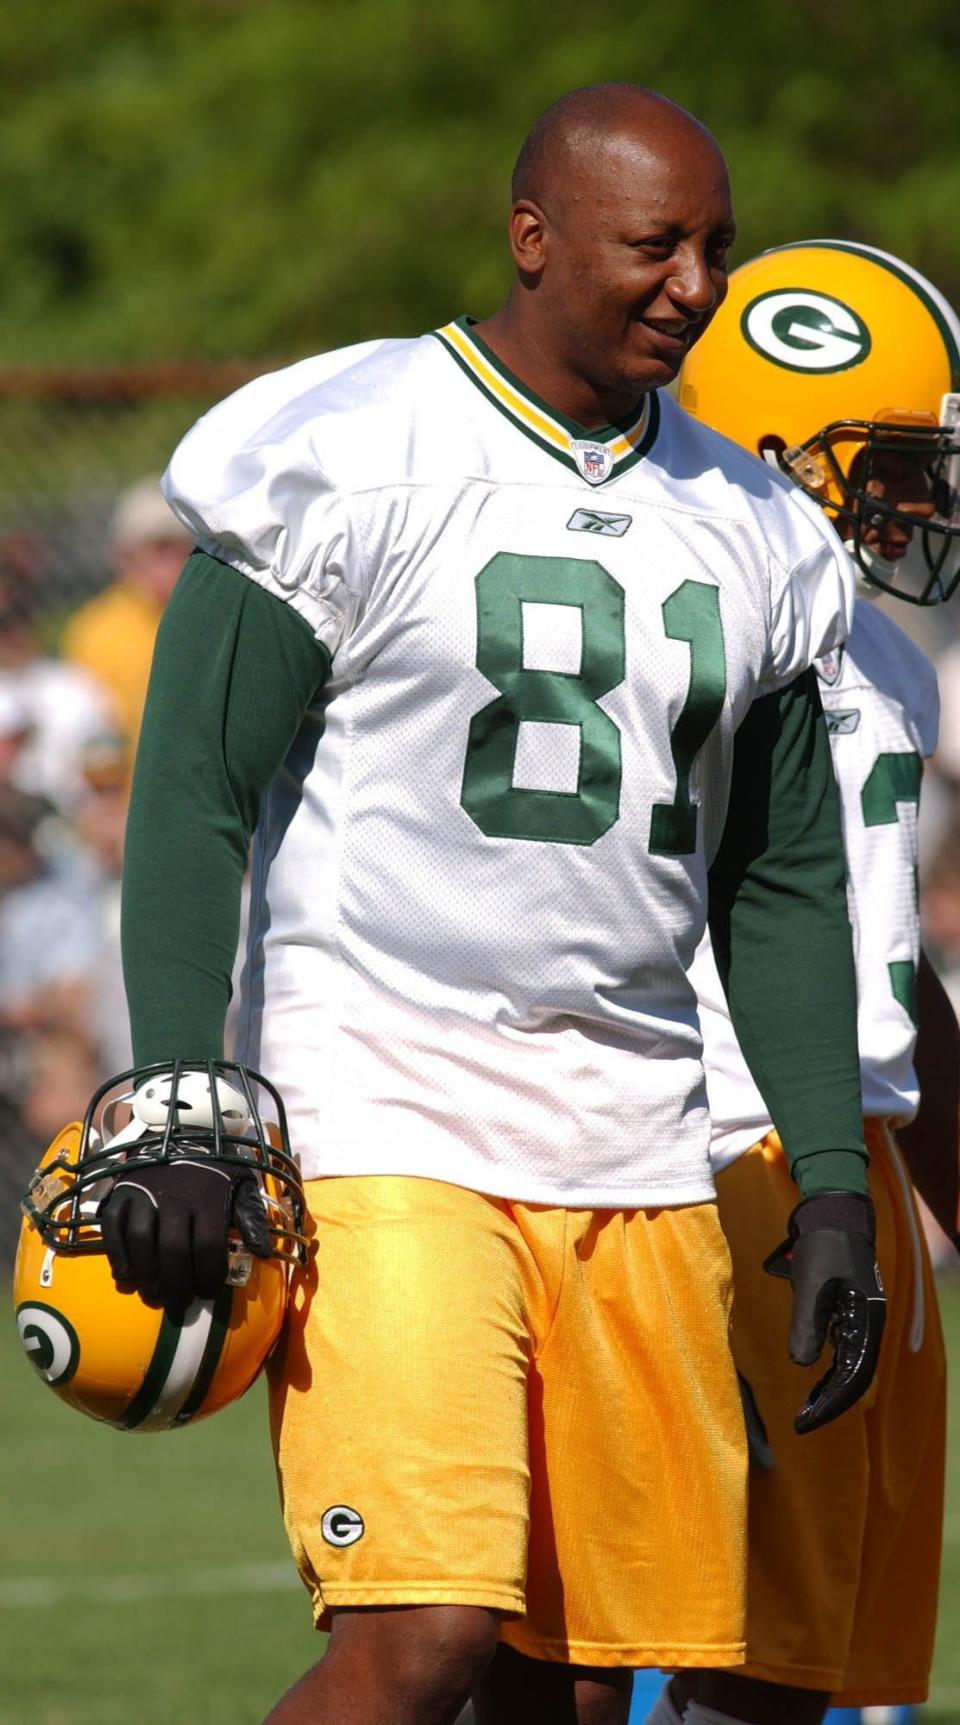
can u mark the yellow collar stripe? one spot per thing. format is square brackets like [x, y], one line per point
[532, 417]
[629, 439]
[509, 397]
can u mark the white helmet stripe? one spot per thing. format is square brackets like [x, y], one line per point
[172, 1372]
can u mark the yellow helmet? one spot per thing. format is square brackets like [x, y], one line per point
[841, 365]
[103, 1350]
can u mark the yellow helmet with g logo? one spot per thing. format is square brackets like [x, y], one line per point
[105, 1351]
[841, 365]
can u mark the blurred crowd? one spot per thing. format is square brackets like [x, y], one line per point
[72, 688]
[940, 855]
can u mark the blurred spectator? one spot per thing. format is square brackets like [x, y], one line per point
[112, 635]
[948, 751]
[940, 908]
[46, 1079]
[48, 938]
[99, 826]
[51, 712]
[61, 1076]
[15, 728]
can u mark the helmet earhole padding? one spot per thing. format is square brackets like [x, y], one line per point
[771, 449]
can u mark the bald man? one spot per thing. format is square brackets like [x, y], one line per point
[481, 637]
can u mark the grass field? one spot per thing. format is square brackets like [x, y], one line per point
[146, 1579]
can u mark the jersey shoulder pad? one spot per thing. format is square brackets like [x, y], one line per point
[260, 479]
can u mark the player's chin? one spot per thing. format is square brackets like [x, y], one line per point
[641, 373]
[655, 360]
[891, 549]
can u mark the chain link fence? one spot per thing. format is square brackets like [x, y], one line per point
[70, 442]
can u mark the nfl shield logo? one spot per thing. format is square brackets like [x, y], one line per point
[593, 459]
[828, 668]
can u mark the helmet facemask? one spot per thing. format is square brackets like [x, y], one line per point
[156, 1114]
[890, 485]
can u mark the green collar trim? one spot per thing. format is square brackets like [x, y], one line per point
[597, 456]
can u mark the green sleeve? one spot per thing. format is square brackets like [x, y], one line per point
[781, 936]
[234, 672]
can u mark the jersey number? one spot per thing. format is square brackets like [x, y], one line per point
[502, 809]
[894, 779]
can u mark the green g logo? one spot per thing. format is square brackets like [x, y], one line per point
[50, 1342]
[805, 331]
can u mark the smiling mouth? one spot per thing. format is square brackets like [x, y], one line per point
[673, 336]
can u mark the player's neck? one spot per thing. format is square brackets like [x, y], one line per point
[522, 347]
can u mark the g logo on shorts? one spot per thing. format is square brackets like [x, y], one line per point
[341, 1525]
[805, 331]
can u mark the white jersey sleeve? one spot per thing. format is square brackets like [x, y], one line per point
[812, 602]
[249, 482]
[880, 703]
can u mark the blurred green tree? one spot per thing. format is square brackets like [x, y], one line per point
[204, 178]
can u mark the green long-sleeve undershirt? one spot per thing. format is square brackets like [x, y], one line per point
[234, 673]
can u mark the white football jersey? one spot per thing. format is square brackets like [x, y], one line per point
[879, 695]
[480, 877]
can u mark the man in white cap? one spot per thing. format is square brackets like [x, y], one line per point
[112, 634]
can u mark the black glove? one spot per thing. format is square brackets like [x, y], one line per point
[830, 1260]
[165, 1226]
[758, 1444]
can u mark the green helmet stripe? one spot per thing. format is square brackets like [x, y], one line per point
[156, 1375]
[939, 308]
[220, 1319]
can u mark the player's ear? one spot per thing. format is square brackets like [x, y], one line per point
[528, 236]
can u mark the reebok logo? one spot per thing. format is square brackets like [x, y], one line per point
[594, 521]
[841, 724]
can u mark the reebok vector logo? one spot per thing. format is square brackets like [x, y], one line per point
[341, 1525]
[595, 521]
[805, 331]
[842, 724]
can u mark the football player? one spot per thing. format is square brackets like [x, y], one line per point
[841, 364]
[479, 638]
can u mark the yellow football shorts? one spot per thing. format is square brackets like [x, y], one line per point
[519, 1407]
[845, 1530]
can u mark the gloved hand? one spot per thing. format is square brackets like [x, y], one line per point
[165, 1226]
[829, 1258]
